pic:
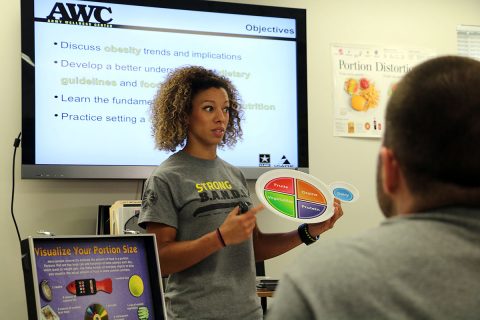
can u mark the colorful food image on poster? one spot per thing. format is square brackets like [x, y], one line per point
[363, 93]
[295, 195]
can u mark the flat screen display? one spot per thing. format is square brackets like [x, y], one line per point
[101, 277]
[90, 70]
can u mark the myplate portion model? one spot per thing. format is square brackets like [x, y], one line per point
[295, 195]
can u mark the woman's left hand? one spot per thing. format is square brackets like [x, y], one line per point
[316, 229]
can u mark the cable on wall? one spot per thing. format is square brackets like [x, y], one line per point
[16, 143]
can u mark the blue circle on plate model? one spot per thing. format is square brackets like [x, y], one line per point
[343, 194]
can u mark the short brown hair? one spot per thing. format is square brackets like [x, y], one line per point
[433, 123]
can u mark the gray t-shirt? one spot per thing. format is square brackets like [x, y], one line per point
[420, 266]
[194, 196]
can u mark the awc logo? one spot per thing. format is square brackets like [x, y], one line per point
[73, 12]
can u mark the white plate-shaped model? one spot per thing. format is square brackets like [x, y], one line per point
[295, 195]
[344, 191]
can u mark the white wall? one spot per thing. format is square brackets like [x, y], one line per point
[69, 207]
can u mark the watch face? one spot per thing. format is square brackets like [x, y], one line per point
[295, 195]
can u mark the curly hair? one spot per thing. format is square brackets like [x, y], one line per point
[173, 105]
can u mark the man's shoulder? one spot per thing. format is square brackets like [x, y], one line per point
[350, 255]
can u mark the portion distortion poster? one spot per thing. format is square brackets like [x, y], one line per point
[364, 78]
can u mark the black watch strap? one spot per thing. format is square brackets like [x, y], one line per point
[305, 235]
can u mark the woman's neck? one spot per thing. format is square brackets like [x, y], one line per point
[202, 153]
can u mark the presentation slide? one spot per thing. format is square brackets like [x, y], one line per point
[97, 73]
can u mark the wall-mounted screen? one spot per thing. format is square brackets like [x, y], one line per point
[90, 70]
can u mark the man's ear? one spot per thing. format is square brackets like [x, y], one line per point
[390, 170]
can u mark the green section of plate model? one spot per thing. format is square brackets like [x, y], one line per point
[281, 202]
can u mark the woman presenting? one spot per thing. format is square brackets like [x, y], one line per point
[191, 203]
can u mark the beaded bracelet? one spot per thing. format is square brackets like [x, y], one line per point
[305, 236]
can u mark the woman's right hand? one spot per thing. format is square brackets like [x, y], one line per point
[239, 227]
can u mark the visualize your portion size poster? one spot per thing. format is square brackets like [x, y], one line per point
[94, 279]
[364, 77]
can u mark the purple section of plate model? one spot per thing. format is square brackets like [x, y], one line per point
[309, 210]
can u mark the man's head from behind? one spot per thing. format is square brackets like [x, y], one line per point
[433, 131]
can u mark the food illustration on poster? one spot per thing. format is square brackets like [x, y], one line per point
[362, 92]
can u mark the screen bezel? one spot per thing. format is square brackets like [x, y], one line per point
[32, 170]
